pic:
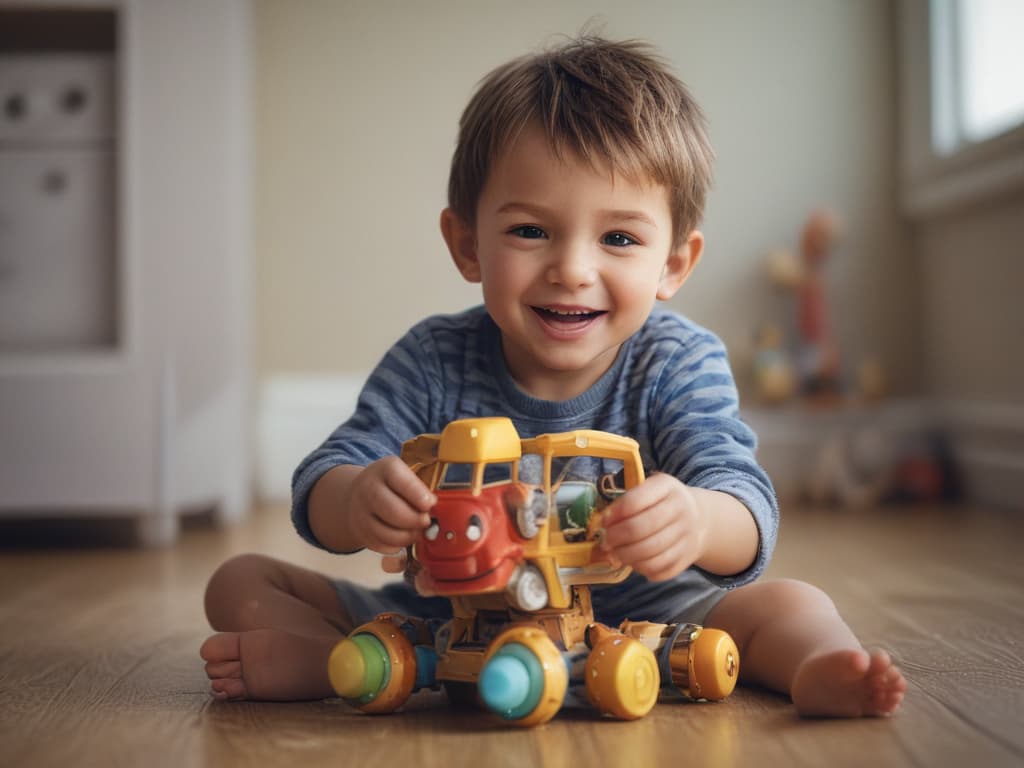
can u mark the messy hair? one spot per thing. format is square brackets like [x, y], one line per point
[614, 104]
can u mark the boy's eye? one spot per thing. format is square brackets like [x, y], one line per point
[618, 239]
[528, 232]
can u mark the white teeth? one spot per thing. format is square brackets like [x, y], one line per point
[569, 313]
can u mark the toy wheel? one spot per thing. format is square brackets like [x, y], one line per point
[714, 665]
[374, 668]
[527, 590]
[529, 508]
[523, 678]
[622, 677]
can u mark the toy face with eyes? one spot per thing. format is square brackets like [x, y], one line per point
[471, 545]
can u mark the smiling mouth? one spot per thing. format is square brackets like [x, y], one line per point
[568, 316]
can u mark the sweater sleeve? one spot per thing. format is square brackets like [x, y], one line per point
[701, 439]
[394, 405]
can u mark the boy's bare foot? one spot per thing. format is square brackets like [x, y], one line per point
[848, 684]
[267, 664]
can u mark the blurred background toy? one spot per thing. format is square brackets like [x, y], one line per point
[869, 466]
[872, 386]
[854, 469]
[774, 375]
[818, 363]
[819, 359]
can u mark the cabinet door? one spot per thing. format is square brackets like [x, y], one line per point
[58, 278]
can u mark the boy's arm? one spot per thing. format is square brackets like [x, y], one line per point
[397, 401]
[327, 519]
[731, 539]
[698, 438]
[381, 507]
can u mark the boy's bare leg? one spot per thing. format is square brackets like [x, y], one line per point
[277, 625]
[792, 639]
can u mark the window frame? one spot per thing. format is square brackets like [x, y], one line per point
[933, 182]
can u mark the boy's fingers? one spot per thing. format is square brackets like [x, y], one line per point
[641, 549]
[635, 500]
[399, 527]
[393, 562]
[406, 485]
[632, 528]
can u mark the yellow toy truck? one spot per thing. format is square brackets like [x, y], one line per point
[513, 542]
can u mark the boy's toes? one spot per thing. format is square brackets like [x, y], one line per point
[223, 669]
[229, 689]
[879, 663]
[886, 702]
[224, 646]
[886, 685]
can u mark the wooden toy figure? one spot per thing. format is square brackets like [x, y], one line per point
[819, 350]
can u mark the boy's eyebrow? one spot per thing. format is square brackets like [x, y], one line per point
[616, 214]
[513, 207]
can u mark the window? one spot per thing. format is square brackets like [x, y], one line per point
[961, 102]
[977, 64]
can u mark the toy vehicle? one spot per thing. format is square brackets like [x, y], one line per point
[514, 544]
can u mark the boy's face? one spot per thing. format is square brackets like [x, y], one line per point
[571, 259]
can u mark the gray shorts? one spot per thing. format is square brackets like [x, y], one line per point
[688, 597]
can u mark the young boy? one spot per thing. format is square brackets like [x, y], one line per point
[576, 189]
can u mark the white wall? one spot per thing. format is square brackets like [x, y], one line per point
[972, 274]
[356, 110]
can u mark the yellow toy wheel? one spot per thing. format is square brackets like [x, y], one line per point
[622, 677]
[523, 678]
[374, 668]
[714, 665]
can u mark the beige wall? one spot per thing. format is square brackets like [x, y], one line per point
[356, 109]
[972, 273]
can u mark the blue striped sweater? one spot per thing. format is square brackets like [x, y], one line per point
[670, 388]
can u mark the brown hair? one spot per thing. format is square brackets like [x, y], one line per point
[607, 102]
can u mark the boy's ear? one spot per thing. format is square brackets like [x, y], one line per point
[461, 240]
[680, 264]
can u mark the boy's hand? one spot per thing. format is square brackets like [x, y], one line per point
[388, 505]
[657, 528]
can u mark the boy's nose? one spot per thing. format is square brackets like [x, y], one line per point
[572, 266]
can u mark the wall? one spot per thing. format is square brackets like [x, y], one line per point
[972, 273]
[357, 104]
[967, 224]
[356, 111]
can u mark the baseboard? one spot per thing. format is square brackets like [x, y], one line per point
[987, 440]
[296, 413]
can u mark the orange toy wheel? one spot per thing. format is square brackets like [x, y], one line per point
[622, 677]
[523, 678]
[714, 665]
[374, 668]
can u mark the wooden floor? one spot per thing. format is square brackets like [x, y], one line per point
[98, 662]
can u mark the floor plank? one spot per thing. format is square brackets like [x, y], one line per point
[99, 665]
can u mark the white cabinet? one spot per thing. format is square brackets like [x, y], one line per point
[58, 200]
[124, 259]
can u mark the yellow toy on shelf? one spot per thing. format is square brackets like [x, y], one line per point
[517, 558]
